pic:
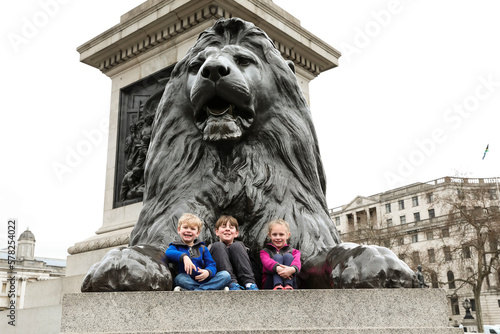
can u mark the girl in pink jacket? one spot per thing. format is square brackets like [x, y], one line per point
[280, 262]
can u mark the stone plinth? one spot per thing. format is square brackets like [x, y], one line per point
[300, 311]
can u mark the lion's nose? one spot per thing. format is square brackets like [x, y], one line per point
[214, 70]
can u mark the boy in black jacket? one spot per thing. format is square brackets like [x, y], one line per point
[231, 255]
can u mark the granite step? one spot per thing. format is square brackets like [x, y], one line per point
[388, 311]
[314, 331]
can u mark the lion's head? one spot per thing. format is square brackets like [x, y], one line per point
[233, 135]
[227, 77]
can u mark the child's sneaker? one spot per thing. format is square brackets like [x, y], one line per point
[278, 287]
[288, 287]
[235, 287]
[178, 288]
[252, 286]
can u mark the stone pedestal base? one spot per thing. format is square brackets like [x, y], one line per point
[410, 311]
[470, 325]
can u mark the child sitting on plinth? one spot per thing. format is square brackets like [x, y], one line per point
[280, 262]
[197, 269]
[232, 255]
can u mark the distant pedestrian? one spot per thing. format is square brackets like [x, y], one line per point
[420, 277]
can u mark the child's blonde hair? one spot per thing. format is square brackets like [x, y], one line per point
[277, 222]
[190, 219]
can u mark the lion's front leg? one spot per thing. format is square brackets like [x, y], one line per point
[358, 266]
[135, 268]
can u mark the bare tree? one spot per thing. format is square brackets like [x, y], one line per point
[474, 220]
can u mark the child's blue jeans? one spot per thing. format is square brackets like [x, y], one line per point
[218, 282]
[275, 279]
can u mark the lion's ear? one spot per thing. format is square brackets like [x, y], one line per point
[291, 65]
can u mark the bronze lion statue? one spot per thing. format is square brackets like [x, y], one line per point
[233, 135]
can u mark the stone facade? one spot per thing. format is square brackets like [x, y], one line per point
[28, 268]
[414, 222]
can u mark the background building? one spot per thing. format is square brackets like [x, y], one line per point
[450, 226]
[28, 268]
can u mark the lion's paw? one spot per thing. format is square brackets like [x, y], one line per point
[359, 266]
[136, 268]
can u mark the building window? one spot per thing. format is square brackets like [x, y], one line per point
[478, 211]
[466, 252]
[455, 307]
[430, 198]
[414, 238]
[431, 214]
[460, 194]
[416, 258]
[434, 280]
[447, 253]
[445, 232]
[402, 219]
[401, 241]
[401, 204]
[416, 216]
[337, 221]
[493, 194]
[389, 222]
[430, 235]
[451, 280]
[493, 243]
[414, 200]
[472, 305]
[430, 254]
[388, 208]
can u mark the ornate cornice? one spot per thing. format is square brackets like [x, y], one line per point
[157, 22]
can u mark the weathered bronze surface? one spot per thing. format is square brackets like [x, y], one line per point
[233, 135]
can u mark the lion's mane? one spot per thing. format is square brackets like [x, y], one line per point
[273, 171]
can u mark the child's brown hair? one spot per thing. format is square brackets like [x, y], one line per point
[227, 220]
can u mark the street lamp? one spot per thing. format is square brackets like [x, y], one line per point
[467, 306]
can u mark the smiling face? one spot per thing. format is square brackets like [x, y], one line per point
[226, 233]
[279, 234]
[188, 233]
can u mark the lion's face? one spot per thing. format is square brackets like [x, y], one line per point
[224, 84]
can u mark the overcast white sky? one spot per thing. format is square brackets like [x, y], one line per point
[416, 97]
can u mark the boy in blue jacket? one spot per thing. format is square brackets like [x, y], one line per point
[197, 269]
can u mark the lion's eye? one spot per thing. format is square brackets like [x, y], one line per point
[244, 61]
[195, 66]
